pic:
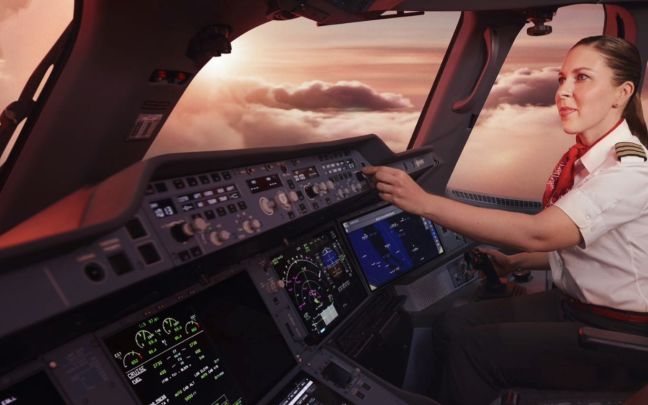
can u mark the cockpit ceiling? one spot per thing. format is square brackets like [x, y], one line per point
[481, 5]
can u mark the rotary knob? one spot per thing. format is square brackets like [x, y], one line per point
[330, 185]
[311, 190]
[293, 197]
[267, 205]
[322, 188]
[199, 224]
[182, 232]
[256, 224]
[282, 200]
[217, 238]
[247, 226]
[251, 225]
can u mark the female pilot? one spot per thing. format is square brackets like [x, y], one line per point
[593, 233]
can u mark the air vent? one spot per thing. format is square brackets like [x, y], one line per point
[500, 202]
[157, 106]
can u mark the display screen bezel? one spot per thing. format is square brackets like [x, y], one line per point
[356, 261]
[181, 298]
[316, 339]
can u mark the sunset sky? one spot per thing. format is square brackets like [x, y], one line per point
[293, 82]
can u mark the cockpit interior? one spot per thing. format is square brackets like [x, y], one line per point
[135, 272]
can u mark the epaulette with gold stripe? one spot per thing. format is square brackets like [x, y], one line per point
[624, 149]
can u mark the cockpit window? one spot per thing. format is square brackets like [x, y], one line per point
[292, 82]
[518, 137]
[28, 29]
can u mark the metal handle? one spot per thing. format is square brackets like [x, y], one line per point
[492, 48]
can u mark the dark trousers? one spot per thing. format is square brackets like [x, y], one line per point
[528, 341]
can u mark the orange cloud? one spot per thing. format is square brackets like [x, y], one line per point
[512, 151]
[525, 87]
[319, 95]
[233, 115]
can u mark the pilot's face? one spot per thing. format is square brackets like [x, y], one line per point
[586, 94]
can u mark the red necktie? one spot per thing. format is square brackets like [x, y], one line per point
[562, 178]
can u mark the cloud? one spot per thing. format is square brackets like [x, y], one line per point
[246, 114]
[525, 87]
[11, 7]
[512, 151]
[319, 95]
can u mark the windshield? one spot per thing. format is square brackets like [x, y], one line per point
[290, 82]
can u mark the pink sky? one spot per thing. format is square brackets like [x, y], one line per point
[289, 82]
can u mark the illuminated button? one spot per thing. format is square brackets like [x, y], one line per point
[267, 205]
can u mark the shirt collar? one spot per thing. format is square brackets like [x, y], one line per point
[594, 157]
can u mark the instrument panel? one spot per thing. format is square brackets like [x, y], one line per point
[206, 212]
[261, 304]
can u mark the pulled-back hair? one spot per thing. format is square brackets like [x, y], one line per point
[623, 58]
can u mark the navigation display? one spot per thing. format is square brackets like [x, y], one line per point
[320, 282]
[220, 347]
[389, 243]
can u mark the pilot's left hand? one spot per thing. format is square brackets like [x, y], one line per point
[397, 187]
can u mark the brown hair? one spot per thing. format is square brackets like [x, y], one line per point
[623, 58]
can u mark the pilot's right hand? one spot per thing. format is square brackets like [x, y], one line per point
[502, 263]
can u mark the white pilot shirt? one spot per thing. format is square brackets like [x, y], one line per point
[609, 204]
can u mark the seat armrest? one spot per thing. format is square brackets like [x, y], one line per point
[601, 338]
